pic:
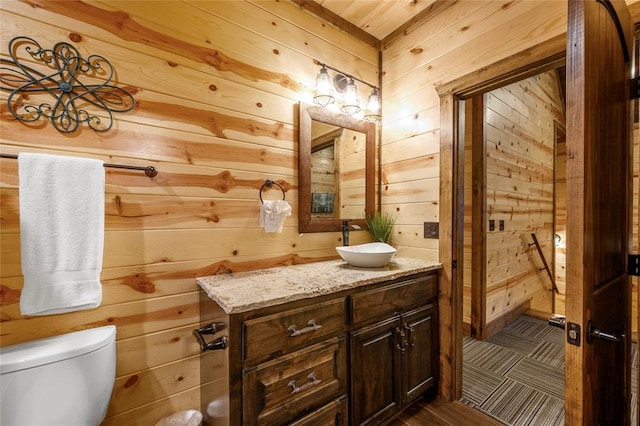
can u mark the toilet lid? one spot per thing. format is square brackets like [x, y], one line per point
[53, 349]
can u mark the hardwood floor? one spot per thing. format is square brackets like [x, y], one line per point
[440, 413]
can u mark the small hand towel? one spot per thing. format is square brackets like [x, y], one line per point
[61, 233]
[273, 214]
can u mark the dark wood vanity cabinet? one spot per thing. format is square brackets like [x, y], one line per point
[394, 359]
[358, 356]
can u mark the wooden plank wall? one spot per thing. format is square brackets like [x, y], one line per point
[458, 38]
[323, 170]
[352, 173]
[520, 138]
[217, 86]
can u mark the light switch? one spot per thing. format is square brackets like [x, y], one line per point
[431, 230]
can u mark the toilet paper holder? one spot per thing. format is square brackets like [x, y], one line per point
[216, 344]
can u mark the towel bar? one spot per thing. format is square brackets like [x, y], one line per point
[150, 171]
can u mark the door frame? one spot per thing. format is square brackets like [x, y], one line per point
[535, 60]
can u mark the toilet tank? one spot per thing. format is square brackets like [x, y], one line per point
[61, 380]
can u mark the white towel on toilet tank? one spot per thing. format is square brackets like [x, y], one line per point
[273, 213]
[61, 233]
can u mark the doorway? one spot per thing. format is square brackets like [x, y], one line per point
[453, 98]
[510, 200]
[513, 367]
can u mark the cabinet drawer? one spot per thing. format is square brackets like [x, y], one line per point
[373, 303]
[335, 413]
[277, 391]
[286, 331]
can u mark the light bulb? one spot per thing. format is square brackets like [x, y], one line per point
[372, 111]
[324, 90]
[351, 103]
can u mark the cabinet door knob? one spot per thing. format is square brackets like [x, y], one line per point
[402, 345]
[312, 325]
[412, 337]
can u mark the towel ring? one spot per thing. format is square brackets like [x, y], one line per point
[269, 183]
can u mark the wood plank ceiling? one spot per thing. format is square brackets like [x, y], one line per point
[376, 19]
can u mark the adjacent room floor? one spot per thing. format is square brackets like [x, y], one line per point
[517, 375]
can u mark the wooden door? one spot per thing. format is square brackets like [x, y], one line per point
[598, 206]
[375, 378]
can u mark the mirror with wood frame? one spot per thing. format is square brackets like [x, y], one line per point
[336, 169]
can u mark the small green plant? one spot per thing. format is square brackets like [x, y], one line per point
[380, 226]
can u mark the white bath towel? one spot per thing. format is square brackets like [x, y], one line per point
[61, 233]
[273, 213]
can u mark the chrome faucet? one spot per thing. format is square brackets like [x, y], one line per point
[345, 232]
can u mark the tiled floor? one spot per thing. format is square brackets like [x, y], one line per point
[517, 375]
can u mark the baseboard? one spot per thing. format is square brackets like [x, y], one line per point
[542, 315]
[507, 318]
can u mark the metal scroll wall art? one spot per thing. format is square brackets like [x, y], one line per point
[67, 89]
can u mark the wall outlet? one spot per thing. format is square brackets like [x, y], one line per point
[431, 230]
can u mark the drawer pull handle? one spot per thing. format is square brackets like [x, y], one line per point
[313, 381]
[312, 325]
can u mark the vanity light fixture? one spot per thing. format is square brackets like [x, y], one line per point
[350, 103]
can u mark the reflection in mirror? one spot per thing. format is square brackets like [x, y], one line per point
[336, 172]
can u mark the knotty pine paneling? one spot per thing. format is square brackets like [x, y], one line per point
[217, 86]
[520, 135]
[464, 37]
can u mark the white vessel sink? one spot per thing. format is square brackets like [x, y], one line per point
[370, 255]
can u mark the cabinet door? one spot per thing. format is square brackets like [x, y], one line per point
[420, 357]
[375, 378]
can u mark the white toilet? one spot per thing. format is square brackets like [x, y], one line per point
[62, 380]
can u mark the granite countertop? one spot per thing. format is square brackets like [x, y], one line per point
[245, 291]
